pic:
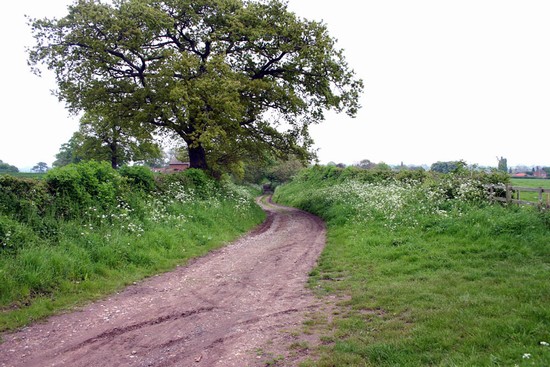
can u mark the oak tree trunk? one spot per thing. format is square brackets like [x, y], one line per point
[197, 157]
[114, 154]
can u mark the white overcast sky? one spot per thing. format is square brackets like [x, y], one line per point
[444, 80]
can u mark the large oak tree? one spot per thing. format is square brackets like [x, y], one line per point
[230, 77]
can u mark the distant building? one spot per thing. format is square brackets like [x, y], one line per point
[173, 167]
[539, 173]
[535, 173]
[520, 175]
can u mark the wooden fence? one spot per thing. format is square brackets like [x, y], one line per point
[512, 195]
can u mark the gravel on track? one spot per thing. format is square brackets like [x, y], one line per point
[237, 306]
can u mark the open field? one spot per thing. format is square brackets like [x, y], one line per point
[532, 182]
[429, 274]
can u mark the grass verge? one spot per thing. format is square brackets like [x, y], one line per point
[51, 261]
[88, 265]
[431, 279]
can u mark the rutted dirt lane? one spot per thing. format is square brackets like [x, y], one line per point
[220, 310]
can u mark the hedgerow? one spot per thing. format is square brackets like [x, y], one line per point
[88, 225]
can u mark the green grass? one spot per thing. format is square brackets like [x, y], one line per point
[467, 287]
[42, 280]
[25, 175]
[532, 182]
[51, 261]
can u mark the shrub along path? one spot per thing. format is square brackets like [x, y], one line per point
[237, 306]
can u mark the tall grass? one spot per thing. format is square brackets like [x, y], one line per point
[431, 274]
[87, 230]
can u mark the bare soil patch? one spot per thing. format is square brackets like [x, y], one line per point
[242, 305]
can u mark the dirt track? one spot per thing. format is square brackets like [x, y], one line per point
[233, 307]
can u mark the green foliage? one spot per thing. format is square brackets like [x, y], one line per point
[222, 92]
[104, 136]
[23, 198]
[140, 177]
[284, 171]
[14, 235]
[31, 175]
[40, 167]
[194, 179]
[197, 178]
[6, 168]
[427, 268]
[531, 182]
[86, 230]
[383, 166]
[69, 152]
[107, 136]
[328, 175]
[273, 171]
[365, 164]
[83, 185]
[411, 175]
[448, 167]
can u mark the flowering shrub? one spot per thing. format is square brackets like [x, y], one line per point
[393, 198]
[88, 223]
[394, 203]
[165, 206]
[101, 198]
[431, 257]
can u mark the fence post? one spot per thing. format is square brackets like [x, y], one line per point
[508, 194]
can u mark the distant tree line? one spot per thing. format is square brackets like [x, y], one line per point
[445, 167]
[448, 167]
[367, 164]
[7, 168]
